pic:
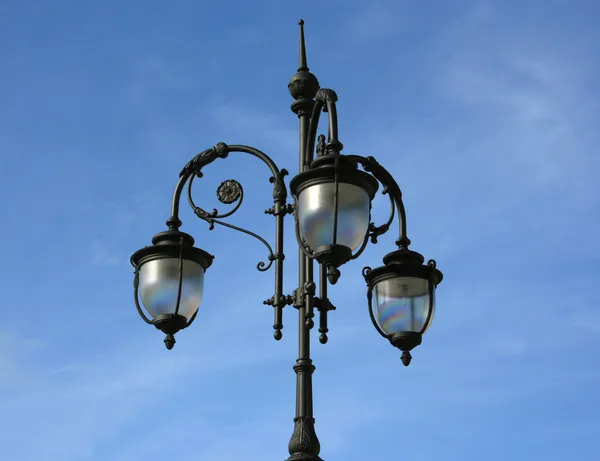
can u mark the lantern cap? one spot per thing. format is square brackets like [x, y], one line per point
[172, 243]
[326, 172]
[328, 159]
[403, 263]
[403, 256]
[172, 236]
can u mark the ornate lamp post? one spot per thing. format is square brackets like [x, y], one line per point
[332, 212]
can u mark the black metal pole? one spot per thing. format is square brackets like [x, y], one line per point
[304, 444]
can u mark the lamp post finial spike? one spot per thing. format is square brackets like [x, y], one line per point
[303, 65]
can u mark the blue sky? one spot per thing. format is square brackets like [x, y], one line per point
[487, 114]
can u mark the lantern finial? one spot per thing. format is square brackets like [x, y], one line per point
[169, 341]
[303, 66]
[406, 358]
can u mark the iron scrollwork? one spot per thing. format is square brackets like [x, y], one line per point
[229, 191]
[205, 158]
[390, 188]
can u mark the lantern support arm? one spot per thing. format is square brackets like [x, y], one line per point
[392, 188]
[325, 100]
[231, 191]
[222, 150]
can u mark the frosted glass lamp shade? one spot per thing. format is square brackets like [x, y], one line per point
[169, 281]
[159, 286]
[401, 297]
[316, 215]
[403, 304]
[333, 209]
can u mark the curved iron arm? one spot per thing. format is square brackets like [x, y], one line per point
[376, 231]
[194, 168]
[393, 189]
[328, 98]
[324, 100]
[213, 218]
[222, 150]
[261, 266]
[373, 232]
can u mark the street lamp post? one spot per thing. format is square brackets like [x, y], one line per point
[332, 213]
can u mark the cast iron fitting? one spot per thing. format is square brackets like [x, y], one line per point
[329, 156]
[323, 170]
[406, 341]
[169, 341]
[333, 255]
[403, 256]
[170, 324]
[404, 263]
[172, 244]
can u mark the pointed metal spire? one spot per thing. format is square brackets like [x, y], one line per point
[303, 85]
[303, 65]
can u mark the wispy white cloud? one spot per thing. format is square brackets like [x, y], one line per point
[375, 22]
[71, 410]
[587, 318]
[538, 95]
[76, 407]
[119, 221]
[154, 74]
[102, 255]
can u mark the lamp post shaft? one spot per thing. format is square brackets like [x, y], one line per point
[304, 444]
